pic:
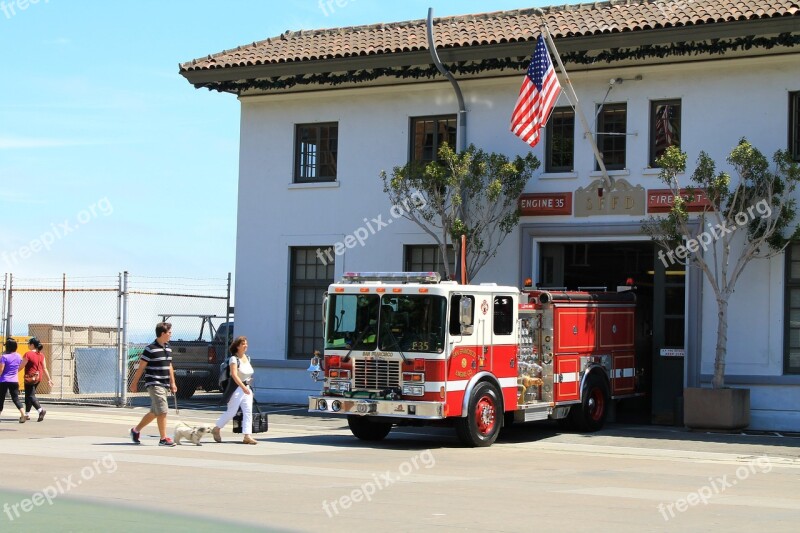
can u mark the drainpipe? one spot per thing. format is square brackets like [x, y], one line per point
[461, 129]
[461, 135]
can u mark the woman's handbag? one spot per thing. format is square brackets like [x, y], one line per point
[259, 420]
[32, 378]
[230, 388]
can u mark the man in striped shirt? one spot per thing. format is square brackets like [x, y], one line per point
[156, 364]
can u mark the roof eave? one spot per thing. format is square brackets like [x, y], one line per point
[627, 39]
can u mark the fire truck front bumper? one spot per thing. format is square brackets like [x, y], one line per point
[334, 405]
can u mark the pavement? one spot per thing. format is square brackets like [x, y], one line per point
[79, 471]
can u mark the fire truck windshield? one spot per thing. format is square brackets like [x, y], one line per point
[404, 323]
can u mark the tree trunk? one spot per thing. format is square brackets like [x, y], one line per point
[443, 254]
[722, 342]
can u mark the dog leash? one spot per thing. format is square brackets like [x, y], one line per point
[175, 399]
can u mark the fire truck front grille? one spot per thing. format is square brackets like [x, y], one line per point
[376, 374]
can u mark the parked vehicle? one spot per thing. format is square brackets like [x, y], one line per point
[407, 348]
[196, 362]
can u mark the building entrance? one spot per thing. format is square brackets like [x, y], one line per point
[660, 313]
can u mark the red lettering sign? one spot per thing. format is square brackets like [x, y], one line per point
[545, 204]
[661, 200]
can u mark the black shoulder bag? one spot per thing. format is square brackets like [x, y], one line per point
[260, 423]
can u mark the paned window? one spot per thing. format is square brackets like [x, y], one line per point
[611, 135]
[560, 141]
[312, 273]
[427, 136]
[665, 127]
[427, 258]
[792, 303]
[794, 125]
[315, 152]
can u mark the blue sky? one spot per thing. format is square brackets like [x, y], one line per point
[109, 159]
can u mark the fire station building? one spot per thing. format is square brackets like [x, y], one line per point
[323, 112]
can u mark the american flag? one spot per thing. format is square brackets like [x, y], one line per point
[537, 96]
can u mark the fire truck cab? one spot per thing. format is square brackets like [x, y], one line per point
[407, 348]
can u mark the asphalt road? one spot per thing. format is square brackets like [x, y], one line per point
[79, 471]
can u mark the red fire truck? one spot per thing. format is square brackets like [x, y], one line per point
[407, 348]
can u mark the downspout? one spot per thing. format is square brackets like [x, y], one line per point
[461, 135]
[461, 128]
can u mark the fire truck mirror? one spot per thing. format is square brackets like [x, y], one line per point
[324, 309]
[465, 315]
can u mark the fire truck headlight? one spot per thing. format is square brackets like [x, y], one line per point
[342, 386]
[413, 390]
[322, 405]
[336, 406]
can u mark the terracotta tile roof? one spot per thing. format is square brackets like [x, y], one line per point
[522, 25]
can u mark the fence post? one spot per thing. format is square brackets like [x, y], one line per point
[8, 316]
[120, 358]
[64, 331]
[228, 339]
[124, 338]
[3, 317]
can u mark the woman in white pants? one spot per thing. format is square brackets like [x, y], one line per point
[241, 372]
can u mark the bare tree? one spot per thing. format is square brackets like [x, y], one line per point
[740, 221]
[471, 193]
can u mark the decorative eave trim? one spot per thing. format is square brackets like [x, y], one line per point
[670, 42]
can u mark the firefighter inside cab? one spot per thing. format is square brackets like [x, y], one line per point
[408, 348]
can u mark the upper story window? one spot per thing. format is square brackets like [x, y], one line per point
[315, 152]
[560, 139]
[794, 125]
[428, 134]
[665, 127]
[611, 135]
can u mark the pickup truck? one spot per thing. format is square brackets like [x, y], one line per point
[196, 362]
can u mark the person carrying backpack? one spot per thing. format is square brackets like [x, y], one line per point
[239, 392]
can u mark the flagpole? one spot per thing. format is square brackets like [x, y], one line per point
[607, 181]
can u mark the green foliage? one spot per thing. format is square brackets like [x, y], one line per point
[757, 186]
[472, 193]
[758, 206]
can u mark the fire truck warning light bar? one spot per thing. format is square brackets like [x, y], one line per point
[392, 277]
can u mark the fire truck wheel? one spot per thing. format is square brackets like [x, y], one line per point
[591, 414]
[365, 429]
[482, 424]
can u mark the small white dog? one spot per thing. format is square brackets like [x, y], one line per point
[192, 433]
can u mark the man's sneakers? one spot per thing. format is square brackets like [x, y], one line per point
[135, 436]
[166, 442]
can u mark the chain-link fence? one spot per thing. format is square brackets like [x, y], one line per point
[94, 329]
[197, 310]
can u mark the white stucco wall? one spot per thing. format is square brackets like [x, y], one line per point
[721, 102]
